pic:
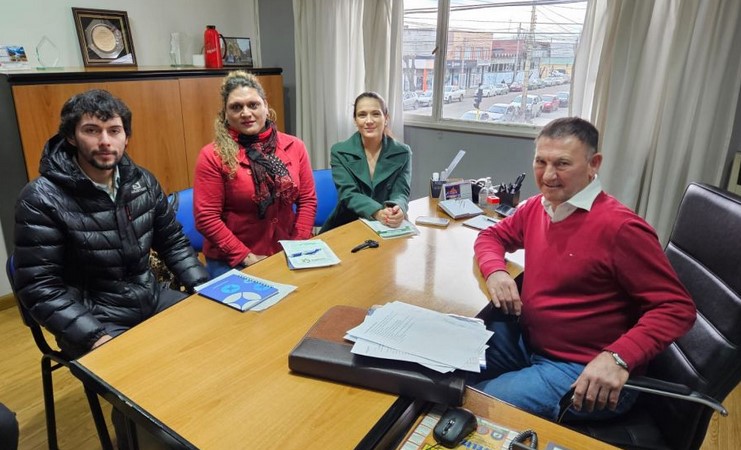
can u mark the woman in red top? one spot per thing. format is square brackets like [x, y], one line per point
[253, 185]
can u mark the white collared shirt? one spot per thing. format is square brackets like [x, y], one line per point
[583, 199]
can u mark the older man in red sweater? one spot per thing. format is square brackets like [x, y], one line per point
[599, 299]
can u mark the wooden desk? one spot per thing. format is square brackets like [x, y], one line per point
[216, 378]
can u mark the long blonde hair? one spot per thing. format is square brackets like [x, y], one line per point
[226, 147]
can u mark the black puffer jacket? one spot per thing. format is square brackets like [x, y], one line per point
[81, 259]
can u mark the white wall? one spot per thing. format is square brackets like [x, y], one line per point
[26, 22]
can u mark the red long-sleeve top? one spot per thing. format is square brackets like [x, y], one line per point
[598, 280]
[226, 213]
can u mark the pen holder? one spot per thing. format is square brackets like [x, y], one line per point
[509, 198]
[435, 187]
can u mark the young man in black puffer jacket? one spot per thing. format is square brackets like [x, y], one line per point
[84, 230]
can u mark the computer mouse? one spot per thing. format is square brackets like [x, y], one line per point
[454, 425]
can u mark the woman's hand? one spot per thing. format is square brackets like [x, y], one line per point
[252, 259]
[391, 216]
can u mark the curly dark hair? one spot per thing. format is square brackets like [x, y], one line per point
[95, 102]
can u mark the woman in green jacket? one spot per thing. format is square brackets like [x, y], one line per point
[372, 171]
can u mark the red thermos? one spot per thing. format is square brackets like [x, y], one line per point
[212, 47]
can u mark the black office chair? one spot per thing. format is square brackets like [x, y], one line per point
[705, 250]
[52, 360]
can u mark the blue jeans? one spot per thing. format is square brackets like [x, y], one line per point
[533, 382]
[216, 267]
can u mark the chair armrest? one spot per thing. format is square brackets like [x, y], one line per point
[654, 386]
[674, 390]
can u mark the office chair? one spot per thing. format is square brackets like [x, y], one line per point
[704, 364]
[182, 203]
[52, 360]
[326, 195]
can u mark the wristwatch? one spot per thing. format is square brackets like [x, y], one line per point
[619, 361]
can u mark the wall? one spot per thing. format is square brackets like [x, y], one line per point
[278, 50]
[25, 23]
[501, 158]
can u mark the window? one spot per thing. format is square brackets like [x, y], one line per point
[514, 49]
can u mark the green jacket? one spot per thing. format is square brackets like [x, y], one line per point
[358, 195]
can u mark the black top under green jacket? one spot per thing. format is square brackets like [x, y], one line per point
[359, 196]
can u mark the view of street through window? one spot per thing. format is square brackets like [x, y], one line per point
[505, 61]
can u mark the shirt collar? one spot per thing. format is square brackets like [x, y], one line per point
[583, 199]
[104, 187]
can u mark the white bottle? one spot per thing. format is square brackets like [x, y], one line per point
[484, 192]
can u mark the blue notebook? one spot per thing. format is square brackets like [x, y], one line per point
[237, 290]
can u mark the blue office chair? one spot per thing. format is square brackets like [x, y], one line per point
[326, 195]
[52, 360]
[182, 203]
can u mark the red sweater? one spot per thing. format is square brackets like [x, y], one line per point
[598, 280]
[227, 216]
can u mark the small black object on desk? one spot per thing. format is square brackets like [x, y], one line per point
[370, 243]
[454, 425]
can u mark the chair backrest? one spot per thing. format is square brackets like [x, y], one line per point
[705, 250]
[182, 202]
[326, 195]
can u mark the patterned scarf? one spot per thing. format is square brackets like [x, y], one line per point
[271, 178]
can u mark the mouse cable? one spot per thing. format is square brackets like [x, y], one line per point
[518, 442]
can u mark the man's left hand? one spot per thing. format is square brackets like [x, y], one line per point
[599, 385]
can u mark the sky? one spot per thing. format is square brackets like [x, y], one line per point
[556, 21]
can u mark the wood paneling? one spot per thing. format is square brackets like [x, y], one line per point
[172, 119]
[157, 141]
[201, 103]
[37, 108]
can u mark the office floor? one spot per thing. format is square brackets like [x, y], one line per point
[20, 390]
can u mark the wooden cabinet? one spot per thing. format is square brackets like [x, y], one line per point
[173, 113]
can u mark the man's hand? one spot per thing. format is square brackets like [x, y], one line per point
[503, 292]
[102, 340]
[599, 385]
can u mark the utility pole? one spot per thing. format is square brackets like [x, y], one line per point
[517, 54]
[528, 59]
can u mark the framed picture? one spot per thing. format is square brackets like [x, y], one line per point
[105, 37]
[238, 51]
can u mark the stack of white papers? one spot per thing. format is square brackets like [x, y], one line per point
[404, 332]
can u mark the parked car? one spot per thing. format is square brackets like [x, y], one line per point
[451, 93]
[502, 112]
[501, 89]
[563, 98]
[425, 98]
[515, 86]
[410, 100]
[475, 114]
[534, 104]
[550, 102]
[486, 90]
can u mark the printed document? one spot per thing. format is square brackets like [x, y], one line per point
[423, 333]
